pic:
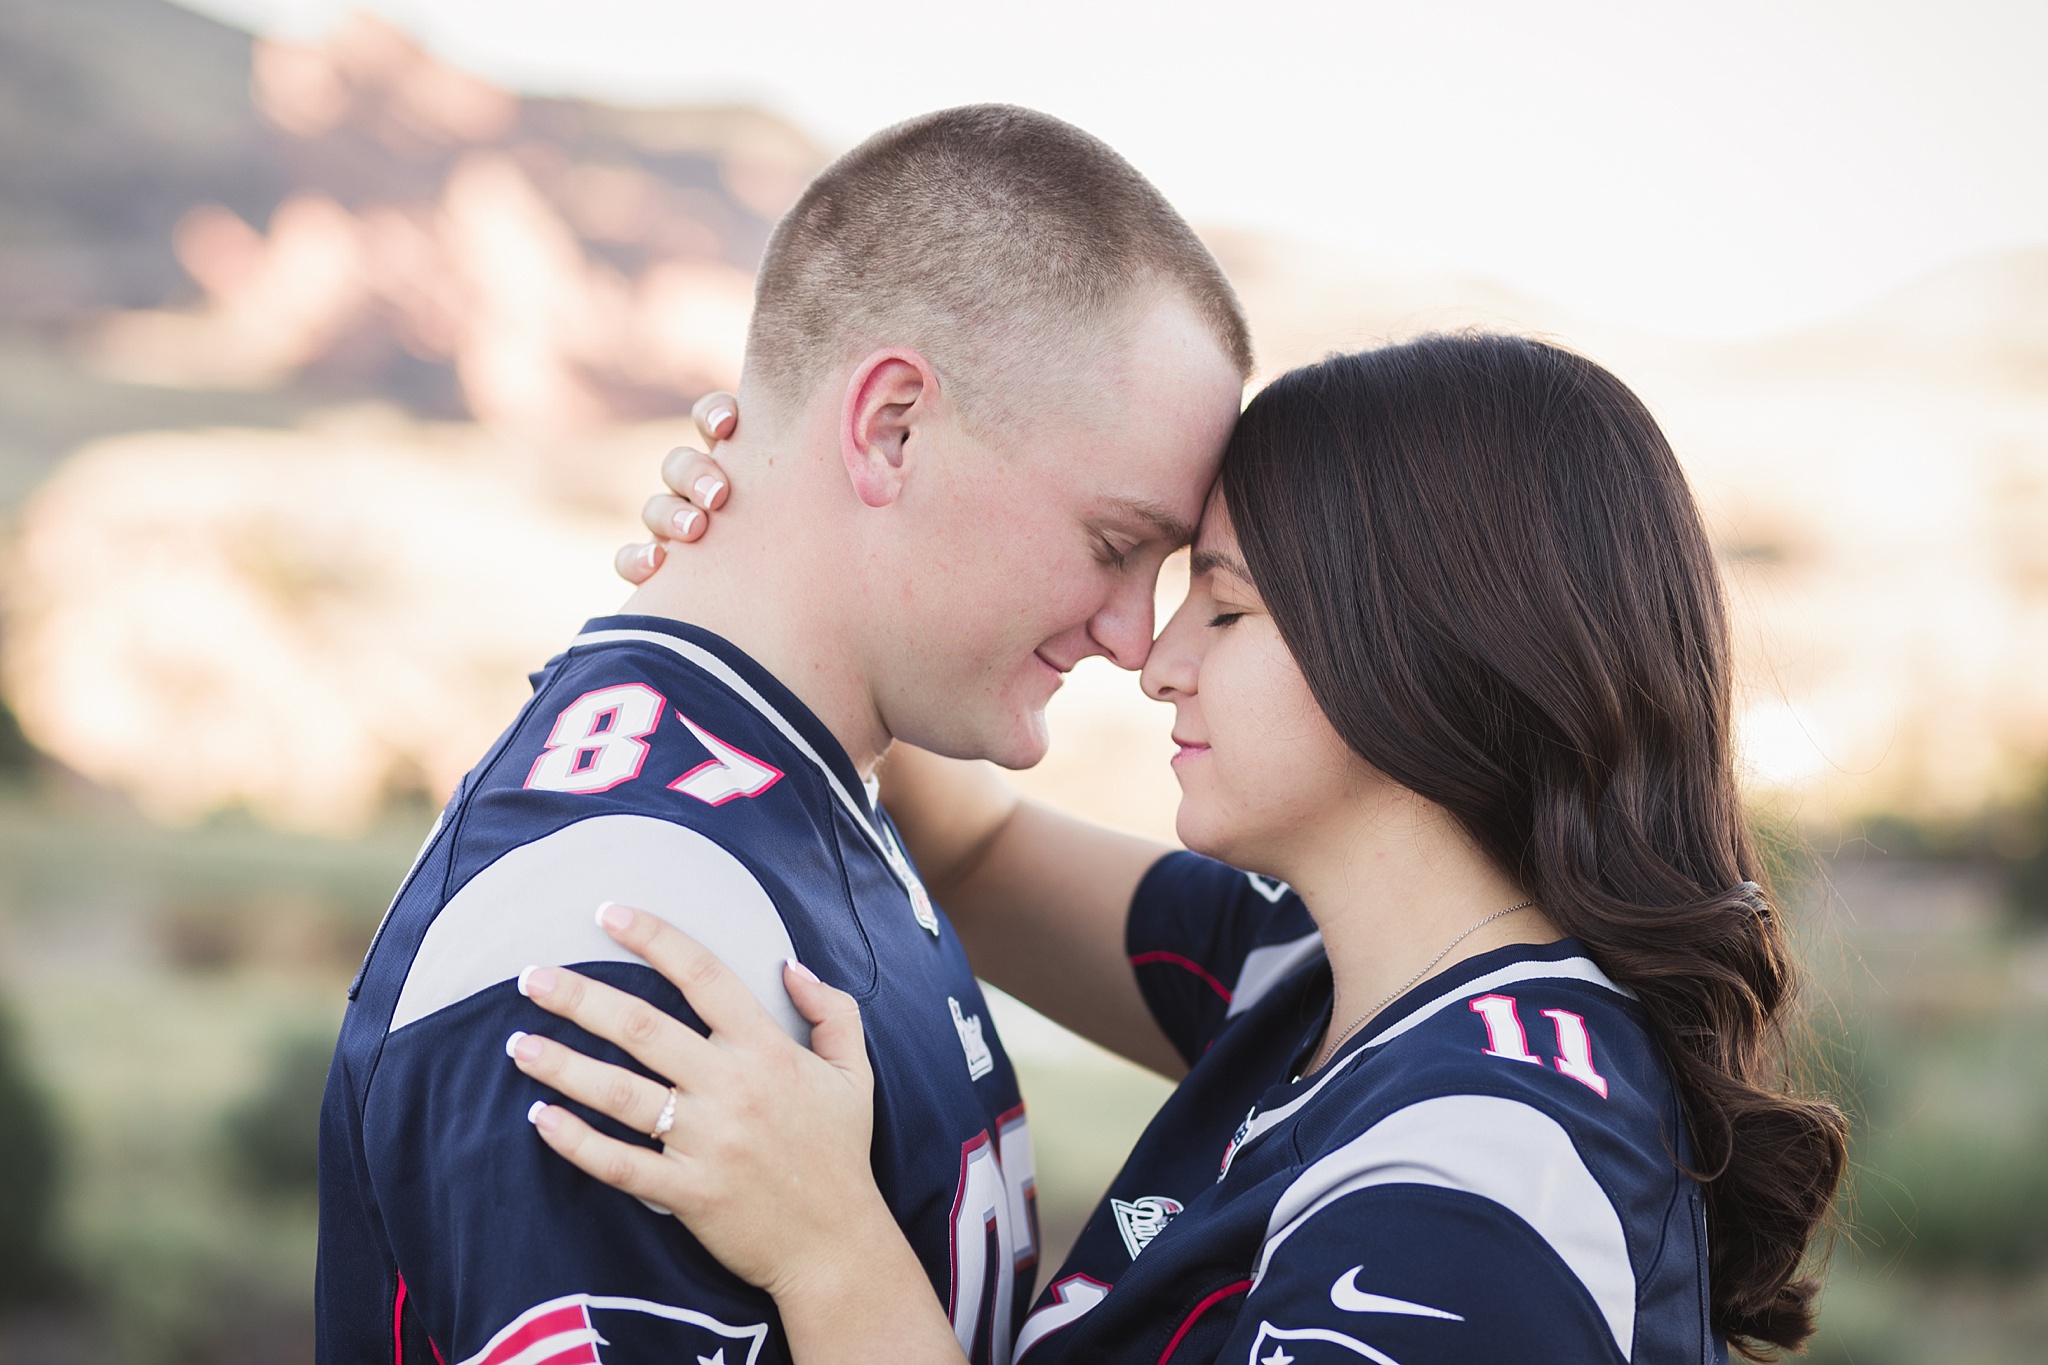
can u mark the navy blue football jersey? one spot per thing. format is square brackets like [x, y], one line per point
[1488, 1172]
[659, 767]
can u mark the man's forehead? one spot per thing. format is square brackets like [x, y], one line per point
[1154, 520]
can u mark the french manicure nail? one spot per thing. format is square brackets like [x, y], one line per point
[612, 915]
[650, 555]
[535, 982]
[720, 421]
[686, 520]
[512, 1045]
[543, 1116]
[800, 969]
[708, 488]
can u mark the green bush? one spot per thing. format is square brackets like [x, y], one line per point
[273, 1136]
[17, 755]
[1951, 1166]
[2021, 836]
[28, 1178]
[1953, 1200]
[2010, 838]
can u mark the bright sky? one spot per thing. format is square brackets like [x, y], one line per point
[1719, 169]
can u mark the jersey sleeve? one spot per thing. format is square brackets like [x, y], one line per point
[505, 1251]
[503, 1245]
[1206, 941]
[1458, 1231]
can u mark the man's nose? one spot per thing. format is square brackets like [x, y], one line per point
[1123, 628]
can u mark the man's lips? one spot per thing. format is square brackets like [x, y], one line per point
[1058, 671]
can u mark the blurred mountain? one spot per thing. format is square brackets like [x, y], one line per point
[200, 227]
[297, 340]
[1980, 324]
[116, 116]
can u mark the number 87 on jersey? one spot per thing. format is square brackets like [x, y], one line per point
[599, 742]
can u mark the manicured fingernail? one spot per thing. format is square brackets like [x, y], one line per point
[512, 1045]
[720, 421]
[686, 520]
[650, 555]
[544, 1116]
[708, 488]
[612, 915]
[535, 982]
[800, 969]
[523, 1047]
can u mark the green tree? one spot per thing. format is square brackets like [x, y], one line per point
[28, 1178]
[273, 1136]
[17, 755]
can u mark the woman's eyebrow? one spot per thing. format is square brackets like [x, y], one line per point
[1208, 561]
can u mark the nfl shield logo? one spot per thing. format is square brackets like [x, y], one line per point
[1140, 1220]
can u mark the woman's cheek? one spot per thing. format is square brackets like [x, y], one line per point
[1234, 798]
[1288, 764]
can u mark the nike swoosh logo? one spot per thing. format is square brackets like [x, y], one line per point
[1348, 1296]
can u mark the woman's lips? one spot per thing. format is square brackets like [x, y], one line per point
[1188, 749]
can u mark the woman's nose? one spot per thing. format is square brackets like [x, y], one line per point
[1172, 666]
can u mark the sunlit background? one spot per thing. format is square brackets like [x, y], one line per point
[338, 347]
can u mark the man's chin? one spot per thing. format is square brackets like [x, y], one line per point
[1022, 742]
[1017, 743]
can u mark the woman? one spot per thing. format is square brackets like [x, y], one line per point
[1485, 1063]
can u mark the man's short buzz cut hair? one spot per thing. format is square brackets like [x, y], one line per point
[994, 239]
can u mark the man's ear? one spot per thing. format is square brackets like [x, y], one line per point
[889, 397]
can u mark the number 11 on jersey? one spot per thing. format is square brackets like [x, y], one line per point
[1505, 1037]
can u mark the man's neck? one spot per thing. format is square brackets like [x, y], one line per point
[765, 578]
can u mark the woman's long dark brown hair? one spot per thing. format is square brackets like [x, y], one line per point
[1485, 557]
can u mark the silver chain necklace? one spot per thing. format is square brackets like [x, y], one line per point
[1330, 1046]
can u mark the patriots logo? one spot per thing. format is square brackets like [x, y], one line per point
[569, 1331]
[1140, 1220]
[552, 1334]
[1286, 1345]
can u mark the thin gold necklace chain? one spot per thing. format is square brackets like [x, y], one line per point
[1329, 1049]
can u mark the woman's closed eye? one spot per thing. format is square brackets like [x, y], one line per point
[1223, 620]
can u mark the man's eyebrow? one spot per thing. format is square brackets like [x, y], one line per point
[1164, 524]
[1208, 561]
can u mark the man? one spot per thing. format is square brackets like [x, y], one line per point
[989, 376]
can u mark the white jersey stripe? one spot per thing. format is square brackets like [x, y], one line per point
[1571, 969]
[1502, 1150]
[538, 904]
[724, 672]
[1264, 968]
